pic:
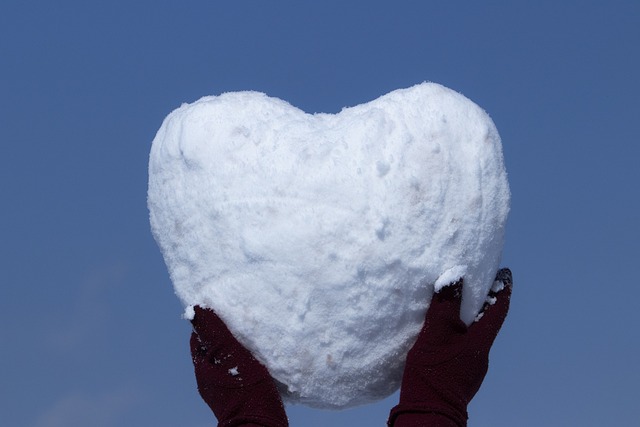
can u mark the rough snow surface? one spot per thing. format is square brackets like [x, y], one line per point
[319, 238]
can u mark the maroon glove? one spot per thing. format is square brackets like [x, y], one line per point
[449, 360]
[238, 389]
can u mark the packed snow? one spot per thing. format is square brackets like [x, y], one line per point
[319, 238]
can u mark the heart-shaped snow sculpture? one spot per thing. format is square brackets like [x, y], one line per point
[319, 238]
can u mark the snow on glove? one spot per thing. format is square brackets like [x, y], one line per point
[237, 387]
[448, 362]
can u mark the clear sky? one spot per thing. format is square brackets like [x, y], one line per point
[90, 330]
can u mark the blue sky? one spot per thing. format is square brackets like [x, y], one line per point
[91, 331]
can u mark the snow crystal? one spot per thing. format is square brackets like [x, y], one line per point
[319, 238]
[497, 286]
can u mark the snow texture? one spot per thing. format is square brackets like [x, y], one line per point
[319, 238]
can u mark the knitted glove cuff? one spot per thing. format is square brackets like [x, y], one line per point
[456, 418]
[259, 420]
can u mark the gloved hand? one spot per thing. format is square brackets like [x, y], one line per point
[237, 387]
[448, 362]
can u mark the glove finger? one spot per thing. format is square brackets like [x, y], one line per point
[209, 327]
[221, 348]
[505, 277]
[442, 335]
[485, 330]
[442, 323]
[445, 304]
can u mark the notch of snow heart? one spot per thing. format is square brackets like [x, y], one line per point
[319, 239]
